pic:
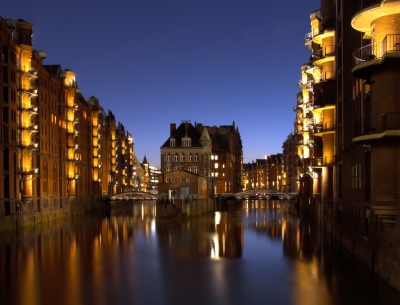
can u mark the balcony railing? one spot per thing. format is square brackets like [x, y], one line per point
[391, 43]
[389, 121]
[317, 30]
[321, 161]
[330, 125]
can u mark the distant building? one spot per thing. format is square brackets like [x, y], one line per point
[265, 173]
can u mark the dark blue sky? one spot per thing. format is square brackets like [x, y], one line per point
[156, 62]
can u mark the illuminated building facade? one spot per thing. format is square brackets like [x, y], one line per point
[265, 173]
[226, 159]
[60, 152]
[291, 164]
[347, 128]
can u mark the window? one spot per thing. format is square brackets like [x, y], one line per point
[187, 180]
[196, 169]
[168, 180]
[168, 157]
[168, 169]
[186, 143]
[173, 180]
[182, 157]
[356, 176]
[190, 169]
[190, 158]
[172, 142]
[183, 180]
[176, 168]
[196, 158]
[176, 158]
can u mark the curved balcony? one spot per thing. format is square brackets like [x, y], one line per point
[363, 19]
[376, 128]
[323, 161]
[319, 33]
[374, 54]
[30, 71]
[325, 127]
[327, 53]
[28, 89]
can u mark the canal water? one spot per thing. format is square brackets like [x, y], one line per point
[259, 253]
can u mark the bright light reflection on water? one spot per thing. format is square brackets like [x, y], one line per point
[258, 254]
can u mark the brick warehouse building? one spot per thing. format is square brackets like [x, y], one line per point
[347, 129]
[60, 152]
[214, 153]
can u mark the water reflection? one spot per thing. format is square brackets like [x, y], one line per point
[258, 253]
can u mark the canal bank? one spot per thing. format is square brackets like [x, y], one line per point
[37, 211]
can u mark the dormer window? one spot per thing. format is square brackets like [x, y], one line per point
[172, 142]
[186, 142]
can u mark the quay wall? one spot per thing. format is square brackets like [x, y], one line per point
[375, 244]
[187, 208]
[40, 210]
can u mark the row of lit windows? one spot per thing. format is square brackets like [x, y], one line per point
[181, 180]
[183, 158]
[191, 169]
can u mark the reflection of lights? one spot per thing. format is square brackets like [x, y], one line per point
[214, 248]
[217, 218]
[153, 227]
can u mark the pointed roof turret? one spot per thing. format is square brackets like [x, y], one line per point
[204, 135]
[145, 160]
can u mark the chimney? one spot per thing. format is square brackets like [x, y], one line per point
[172, 128]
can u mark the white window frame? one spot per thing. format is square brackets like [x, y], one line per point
[196, 157]
[176, 157]
[182, 157]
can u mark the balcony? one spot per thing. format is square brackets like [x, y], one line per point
[384, 126]
[30, 89]
[325, 54]
[325, 127]
[323, 161]
[376, 53]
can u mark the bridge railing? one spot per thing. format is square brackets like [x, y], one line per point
[264, 194]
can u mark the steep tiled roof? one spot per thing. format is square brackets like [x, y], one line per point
[181, 132]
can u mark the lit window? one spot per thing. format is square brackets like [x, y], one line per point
[216, 165]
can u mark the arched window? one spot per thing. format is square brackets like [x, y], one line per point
[168, 158]
[196, 169]
[182, 157]
[196, 158]
[176, 158]
[190, 158]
